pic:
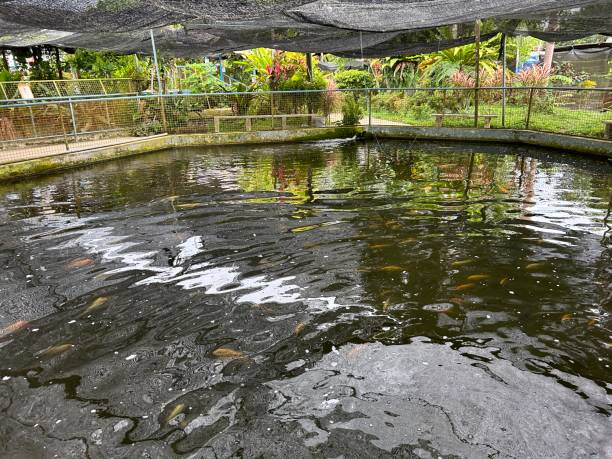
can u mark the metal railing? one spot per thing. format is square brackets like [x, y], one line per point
[47, 89]
[39, 128]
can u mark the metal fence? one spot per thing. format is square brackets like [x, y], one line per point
[35, 129]
[10, 90]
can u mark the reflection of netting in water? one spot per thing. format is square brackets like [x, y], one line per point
[195, 27]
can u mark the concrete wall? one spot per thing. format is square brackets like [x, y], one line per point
[75, 159]
[80, 158]
[541, 139]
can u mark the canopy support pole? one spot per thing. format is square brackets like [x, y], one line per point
[477, 65]
[160, 89]
[309, 66]
[503, 53]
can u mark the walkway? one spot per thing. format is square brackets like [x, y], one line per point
[26, 153]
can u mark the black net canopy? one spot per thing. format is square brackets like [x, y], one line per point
[352, 28]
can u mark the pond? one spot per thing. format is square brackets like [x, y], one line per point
[333, 299]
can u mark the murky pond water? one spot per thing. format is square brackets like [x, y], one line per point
[327, 300]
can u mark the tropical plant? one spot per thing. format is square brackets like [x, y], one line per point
[354, 79]
[352, 112]
[202, 78]
[535, 76]
[270, 68]
[440, 66]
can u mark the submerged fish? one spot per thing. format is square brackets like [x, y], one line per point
[504, 281]
[566, 317]
[55, 350]
[299, 328]
[192, 205]
[96, 304]
[391, 268]
[9, 330]
[379, 246]
[460, 288]
[478, 277]
[178, 409]
[438, 307]
[461, 262]
[226, 353]
[535, 266]
[79, 263]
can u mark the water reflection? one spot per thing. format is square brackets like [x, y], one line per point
[269, 300]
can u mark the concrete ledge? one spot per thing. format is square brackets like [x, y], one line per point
[542, 139]
[54, 163]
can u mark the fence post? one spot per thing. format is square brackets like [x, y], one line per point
[61, 114]
[369, 109]
[529, 108]
[503, 46]
[108, 120]
[477, 65]
[73, 117]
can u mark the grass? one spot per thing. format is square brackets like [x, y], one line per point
[561, 120]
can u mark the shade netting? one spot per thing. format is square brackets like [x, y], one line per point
[353, 28]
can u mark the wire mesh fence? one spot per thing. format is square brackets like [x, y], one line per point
[34, 129]
[44, 89]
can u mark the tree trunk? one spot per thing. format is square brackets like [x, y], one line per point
[548, 55]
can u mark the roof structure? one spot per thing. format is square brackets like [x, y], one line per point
[352, 28]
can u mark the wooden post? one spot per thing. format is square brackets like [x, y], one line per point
[309, 66]
[529, 109]
[477, 65]
[73, 117]
[61, 114]
[108, 120]
[58, 62]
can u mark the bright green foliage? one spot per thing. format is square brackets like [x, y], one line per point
[202, 78]
[93, 64]
[354, 79]
[352, 112]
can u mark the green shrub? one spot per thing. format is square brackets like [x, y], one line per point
[354, 79]
[351, 110]
[147, 128]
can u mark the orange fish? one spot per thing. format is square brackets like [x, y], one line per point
[478, 277]
[379, 246]
[534, 266]
[461, 262]
[79, 263]
[299, 328]
[54, 350]
[460, 288]
[390, 268]
[96, 304]
[13, 328]
[226, 353]
[567, 317]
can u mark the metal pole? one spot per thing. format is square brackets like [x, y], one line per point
[221, 70]
[529, 109]
[477, 64]
[160, 89]
[369, 109]
[503, 46]
[159, 85]
[518, 54]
